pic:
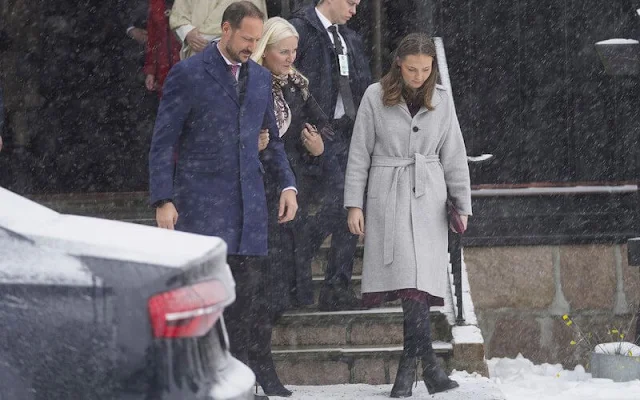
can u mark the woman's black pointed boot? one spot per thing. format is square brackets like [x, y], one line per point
[261, 358]
[417, 317]
[407, 367]
[405, 377]
[434, 376]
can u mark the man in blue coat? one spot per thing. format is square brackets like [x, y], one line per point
[205, 173]
[332, 57]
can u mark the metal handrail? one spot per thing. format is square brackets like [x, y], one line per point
[455, 247]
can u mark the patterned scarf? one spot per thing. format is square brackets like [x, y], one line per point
[280, 107]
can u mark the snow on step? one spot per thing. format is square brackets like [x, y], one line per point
[438, 346]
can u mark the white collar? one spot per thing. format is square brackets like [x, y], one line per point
[225, 58]
[325, 21]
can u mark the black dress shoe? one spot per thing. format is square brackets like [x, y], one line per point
[344, 299]
[338, 298]
[326, 300]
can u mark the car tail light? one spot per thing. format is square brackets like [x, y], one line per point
[189, 311]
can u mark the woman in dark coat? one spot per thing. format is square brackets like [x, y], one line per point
[286, 280]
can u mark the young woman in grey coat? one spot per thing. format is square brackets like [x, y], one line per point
[408, 153]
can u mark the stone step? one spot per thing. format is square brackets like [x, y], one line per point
[319, 263]
[356, 284]
[378, 326]
[333, 365]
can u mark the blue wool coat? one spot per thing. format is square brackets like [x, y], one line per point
[217, 182]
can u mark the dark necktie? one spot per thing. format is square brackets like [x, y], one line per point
[234, 70]
[239, 79]
[343, 81]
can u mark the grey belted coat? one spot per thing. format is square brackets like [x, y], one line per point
[407, 165]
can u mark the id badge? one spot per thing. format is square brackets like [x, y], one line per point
[343, 59]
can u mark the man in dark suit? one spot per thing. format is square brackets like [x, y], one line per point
[212, 110]
[332, 56]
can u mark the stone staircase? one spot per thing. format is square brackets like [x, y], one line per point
[323, 348]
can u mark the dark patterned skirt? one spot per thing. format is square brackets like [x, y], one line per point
[375, 299]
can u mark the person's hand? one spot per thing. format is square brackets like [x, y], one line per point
[195, 40]
[464, 219]
[288, 206]
[263, 140]
[355, 220]
[150, 82]
[139, 35]
[167, 216]
[0, 143]
[312, 141]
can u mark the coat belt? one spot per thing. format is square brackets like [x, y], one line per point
[400, 164]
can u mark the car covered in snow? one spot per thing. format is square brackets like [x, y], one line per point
[98, 309]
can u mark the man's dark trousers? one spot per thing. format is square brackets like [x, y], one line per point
[242, 313]
[331, 217]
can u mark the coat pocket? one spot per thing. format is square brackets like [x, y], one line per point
[199, 165]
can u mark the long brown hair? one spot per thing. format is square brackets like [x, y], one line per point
[393, 87]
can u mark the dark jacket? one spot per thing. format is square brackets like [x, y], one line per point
[287, 282]
[317, 60]
[217, 184]
[302, 111]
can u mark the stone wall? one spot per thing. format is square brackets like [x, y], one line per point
[520, 294]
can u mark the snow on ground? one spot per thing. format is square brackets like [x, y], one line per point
[472, 387]
[520, 379]
[511, 379]
[625, 348]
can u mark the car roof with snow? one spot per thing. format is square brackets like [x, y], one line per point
[96, 237]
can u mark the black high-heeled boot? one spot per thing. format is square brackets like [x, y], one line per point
[405, 377]
[260, 357]
[434, 376]
[417, 322]
[407, 367]
[267, 377]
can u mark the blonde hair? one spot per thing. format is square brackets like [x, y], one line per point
[275, 30]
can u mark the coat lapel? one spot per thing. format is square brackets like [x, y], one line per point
[314, 20]
[215, 65]
[252, 70]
